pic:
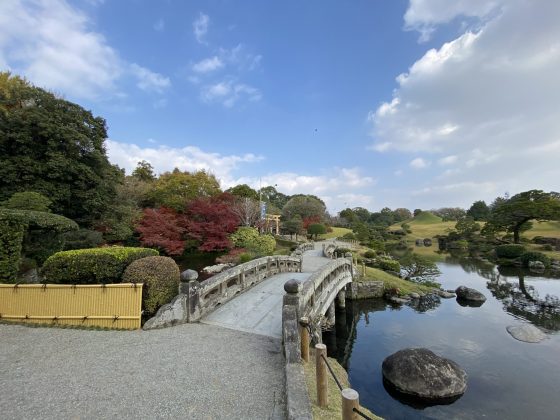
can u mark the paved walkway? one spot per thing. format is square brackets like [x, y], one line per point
[259, 309]
[189, 371]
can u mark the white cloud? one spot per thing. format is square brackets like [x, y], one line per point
[149, 80]
[490, 96]
[188, 158]
[228, 93]
[424, 15]
[419, 163]
[448, 160]
[200, 27]
[208, 65]
[54, 46]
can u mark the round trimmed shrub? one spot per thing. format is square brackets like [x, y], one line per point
[534, 256]
[370, 254]
[509, 251]
[160, 276]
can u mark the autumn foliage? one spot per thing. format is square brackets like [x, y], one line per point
[163, 228]
[208, 220]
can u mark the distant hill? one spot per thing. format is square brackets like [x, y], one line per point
[425, 218]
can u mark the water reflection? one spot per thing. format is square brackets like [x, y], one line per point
[518, 298]
[507, 378]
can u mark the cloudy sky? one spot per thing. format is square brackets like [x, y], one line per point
[418, 104]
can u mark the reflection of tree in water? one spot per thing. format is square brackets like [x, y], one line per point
[523, 300]
[341, 339]
[470, 265]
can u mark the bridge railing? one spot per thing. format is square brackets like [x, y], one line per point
[204, 297]
[329, 249]
[306, 246]
[303, 306]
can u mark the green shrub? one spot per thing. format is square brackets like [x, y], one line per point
[509, 251]
[349, 235]
[94, 265]
[547, 247]
[370, 254]
[28, 200]
[534, 256]
[245, 257]
[82, 239]
[388, 265]
[160, 276]
[11, 238]
[249, 238]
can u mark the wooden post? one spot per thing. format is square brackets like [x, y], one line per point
[321, 370]
[350, 400]
[304, 334]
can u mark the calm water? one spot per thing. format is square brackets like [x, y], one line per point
[507, 379]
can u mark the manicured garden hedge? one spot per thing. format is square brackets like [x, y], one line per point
[91, 266]
[160, 276]
[388, 265]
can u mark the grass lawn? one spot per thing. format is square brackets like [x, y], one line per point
[427, 225]
[336, 232]
[406, 287]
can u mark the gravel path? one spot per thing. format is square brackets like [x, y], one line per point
[190, 371]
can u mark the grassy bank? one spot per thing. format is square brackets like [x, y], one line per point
[334, 409]
[406, 287]
[336, 232]
[427, 225]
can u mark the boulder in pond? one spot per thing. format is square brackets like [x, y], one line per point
[465, 293]
[420, 373]
[527, 333]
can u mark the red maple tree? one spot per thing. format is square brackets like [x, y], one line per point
[210, 220]
[163, 228]
[311, 220]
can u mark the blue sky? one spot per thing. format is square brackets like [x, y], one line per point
[418, 104]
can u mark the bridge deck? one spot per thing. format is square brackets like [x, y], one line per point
[259, 310]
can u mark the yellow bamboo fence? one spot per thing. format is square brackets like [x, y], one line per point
[116, 306]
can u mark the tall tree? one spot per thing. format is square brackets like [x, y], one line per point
[175, 189]
[306, 206]
[479, 211]
[244, 191]
[56, 148]
[514, 213]
[144, 171]
[247, 211]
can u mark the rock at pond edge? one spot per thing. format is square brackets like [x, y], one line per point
[420, 373]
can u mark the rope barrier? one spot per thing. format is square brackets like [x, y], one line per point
[332, 373]
[358, 412]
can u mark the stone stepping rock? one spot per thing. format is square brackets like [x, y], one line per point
[527, 333]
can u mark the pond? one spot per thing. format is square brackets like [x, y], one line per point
[507, 379]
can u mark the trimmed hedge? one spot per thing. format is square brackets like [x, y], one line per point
[160, 276]
[388, 265]
[91, 266]
[534, 256]
[11, 238]
[509, 251]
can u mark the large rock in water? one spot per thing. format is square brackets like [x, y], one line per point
[422, 374]
[527, 333]
[471, 295]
